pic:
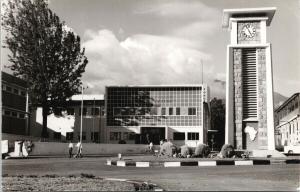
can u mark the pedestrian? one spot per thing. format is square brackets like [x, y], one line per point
[151, 146]
[161, 142]
[70, 149]
[79, 149]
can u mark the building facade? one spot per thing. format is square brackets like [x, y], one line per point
[66, 127]
[144, 114]
[287, 121]
[93, 118]
[14, 114]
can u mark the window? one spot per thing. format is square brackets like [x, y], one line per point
[117, 111]
[153, 111]
[9, 89]
[21, 115]
[192, 111]
[193, 136]
[14, 114]
[22, 93]
[177, 111]
[7, 113]
[16, 91]
[170, 111]
[69, 136]
[70, 111]
[115, 136]
[178, 136]
[163, 111]
[128, 136]
[83, 135]
[84, 113]
[95, 136]
[249, 87]
[131, 136]
[95, 111]
[102, 111]
[57, 135]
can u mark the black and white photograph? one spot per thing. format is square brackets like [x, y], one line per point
[150, 95]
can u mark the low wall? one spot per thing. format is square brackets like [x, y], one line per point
[55, 148]
[13, 137]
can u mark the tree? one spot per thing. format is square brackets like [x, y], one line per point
[44, 52]
[217, 108]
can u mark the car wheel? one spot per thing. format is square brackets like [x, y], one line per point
[290, 152]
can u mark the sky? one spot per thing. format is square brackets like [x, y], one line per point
[142, 42]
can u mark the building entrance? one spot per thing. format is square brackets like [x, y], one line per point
[152, 134]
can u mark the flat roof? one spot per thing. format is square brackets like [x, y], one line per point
[248, 12]
[87, 97]
[154, 86]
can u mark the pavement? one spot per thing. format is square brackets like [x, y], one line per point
[280, 177]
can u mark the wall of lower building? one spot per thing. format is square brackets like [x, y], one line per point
[288, 122]
[290, 132]
[115, 134]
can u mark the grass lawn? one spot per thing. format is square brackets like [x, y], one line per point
[56, 183]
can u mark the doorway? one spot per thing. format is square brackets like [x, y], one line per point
[152, 134]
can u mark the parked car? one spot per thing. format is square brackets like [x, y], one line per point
[292, 149]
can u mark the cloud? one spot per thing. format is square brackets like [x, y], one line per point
[140, 59]
[187, 10]
[174, 57]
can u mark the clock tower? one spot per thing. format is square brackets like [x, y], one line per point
[249, 83]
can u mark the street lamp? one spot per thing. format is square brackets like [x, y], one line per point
[81, 113]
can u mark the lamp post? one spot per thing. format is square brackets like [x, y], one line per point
[93, 116]
[81, 114]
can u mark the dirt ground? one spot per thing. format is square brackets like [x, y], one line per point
[55, 183]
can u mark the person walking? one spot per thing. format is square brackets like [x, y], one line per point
[70, 149]
[151, 147]
[79, 149]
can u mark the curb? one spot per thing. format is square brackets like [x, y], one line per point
[122, 163]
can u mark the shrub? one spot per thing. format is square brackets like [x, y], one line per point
[85, 175]
[202, 150]
[122, 142]
[184, 151]
[227, 151]
[167, 149]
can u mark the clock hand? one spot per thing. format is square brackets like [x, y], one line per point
[251, 34]
[249, 31]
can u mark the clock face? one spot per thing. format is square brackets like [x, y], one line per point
[249, 31]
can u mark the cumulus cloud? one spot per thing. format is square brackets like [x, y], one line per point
[140, 59]
[174, 57]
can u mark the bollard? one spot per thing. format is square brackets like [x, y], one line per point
[120, 156]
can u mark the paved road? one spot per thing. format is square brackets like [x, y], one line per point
[259, 177]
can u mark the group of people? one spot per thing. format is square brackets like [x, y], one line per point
[78, 150]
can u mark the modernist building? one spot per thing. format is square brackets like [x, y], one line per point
[66, 127]
[287, 121]
[249, 83]
[14, 115]
[143, 114]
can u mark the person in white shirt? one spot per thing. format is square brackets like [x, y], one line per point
[151, 146]
[70, 149]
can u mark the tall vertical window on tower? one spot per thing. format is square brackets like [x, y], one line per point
[249, 79]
